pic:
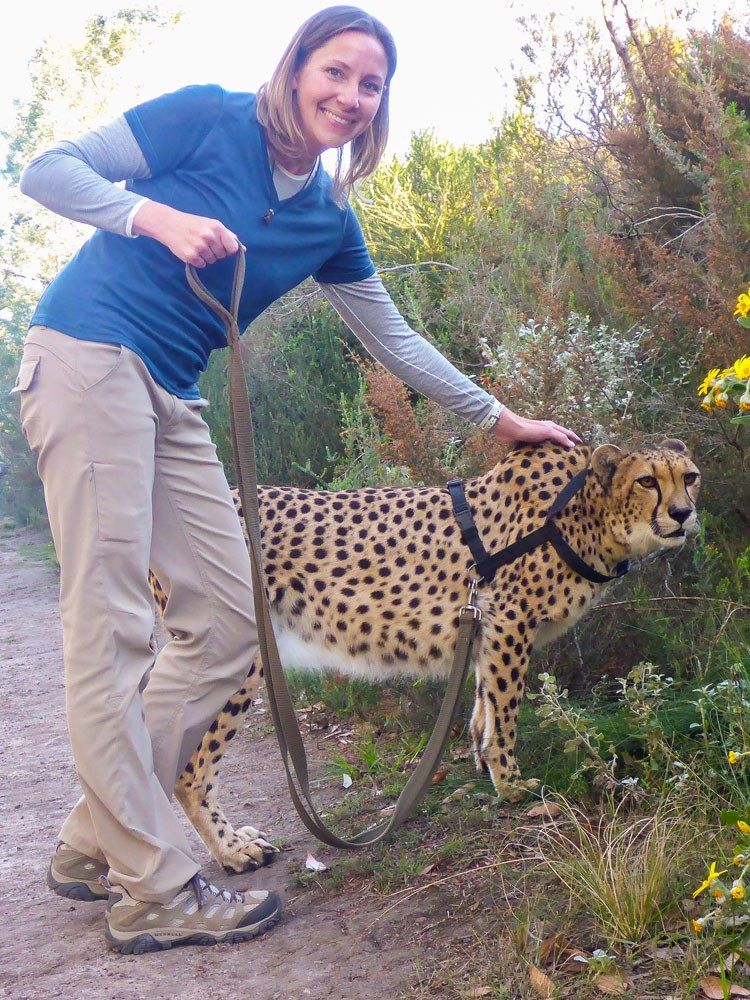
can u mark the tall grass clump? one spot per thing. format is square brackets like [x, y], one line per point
[627, 871]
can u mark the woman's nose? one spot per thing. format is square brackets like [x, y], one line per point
[348, 96]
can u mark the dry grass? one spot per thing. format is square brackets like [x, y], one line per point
[625, 871]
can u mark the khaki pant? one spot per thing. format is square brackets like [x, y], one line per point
[131, 480]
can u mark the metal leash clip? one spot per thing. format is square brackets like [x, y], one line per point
[476, 612]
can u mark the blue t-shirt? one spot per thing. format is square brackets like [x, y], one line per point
[207, 155]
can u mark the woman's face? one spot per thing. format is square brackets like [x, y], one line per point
[339, 89]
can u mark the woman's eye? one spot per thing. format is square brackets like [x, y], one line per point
[372, 88]
[648, 481]
[335, 72]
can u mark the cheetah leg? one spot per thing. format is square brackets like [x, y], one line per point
[500, 679]
[197, 787]
[238, 850]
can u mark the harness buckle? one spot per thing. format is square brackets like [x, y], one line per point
[470, 606]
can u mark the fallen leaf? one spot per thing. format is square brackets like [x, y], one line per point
[460, 793]
[552, 947]
[480, 991]
[437, 777]
[315, 866]
[712, 988]
[575, 960]
[728, 962]
[426, 871]
[541, 983]
[549, 810]
[611, 983]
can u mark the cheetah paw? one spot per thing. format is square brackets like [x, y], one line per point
[247, 850]
[516, 791]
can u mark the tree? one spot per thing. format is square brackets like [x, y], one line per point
[71, 88]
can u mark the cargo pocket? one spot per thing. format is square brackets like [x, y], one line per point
[27, 376]
[122, 512]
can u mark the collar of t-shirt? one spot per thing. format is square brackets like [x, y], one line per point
[286, 184]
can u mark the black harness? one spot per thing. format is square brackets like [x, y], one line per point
[487, 565]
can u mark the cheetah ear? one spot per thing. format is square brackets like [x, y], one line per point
[675, 445]
[604, 462]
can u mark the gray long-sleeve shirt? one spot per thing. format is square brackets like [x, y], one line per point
[78, 179]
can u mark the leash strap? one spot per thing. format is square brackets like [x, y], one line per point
[282, 709]
[487, 565]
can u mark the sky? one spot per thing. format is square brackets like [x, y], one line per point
[454, 74]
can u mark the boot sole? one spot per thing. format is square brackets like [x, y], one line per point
[142, 943]
[78, 891]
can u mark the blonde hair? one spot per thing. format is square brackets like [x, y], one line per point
[277, 107]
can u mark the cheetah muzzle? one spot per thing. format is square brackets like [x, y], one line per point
[369, 582]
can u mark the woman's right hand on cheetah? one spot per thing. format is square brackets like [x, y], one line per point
[194, 239]
[512, 429]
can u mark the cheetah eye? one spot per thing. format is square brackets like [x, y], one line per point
[691, 477]
[647, 481]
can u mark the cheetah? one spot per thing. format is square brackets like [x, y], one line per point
[369, 582]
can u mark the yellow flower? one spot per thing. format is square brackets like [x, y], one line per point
[711, 877]
[721, 400]
[744, 400]
[719, 894]
[743, 304]
[743, 827]
[707, 404]
[738, 891]
[708, 381]
[738, 859]
[698, 925]
[741, 367]
[733, 757]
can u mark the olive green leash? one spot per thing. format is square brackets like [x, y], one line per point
[282, 709]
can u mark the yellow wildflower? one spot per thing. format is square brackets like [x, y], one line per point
[708, 381]
[698, 925]
[738, 859]
[711, 877]
[743, 827]
[744, 400]
[719, 895]
[707, 404]
[733, 757]
[721, 400]
[738, 891]
[741, 367]
[743, 304]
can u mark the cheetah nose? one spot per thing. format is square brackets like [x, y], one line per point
[680, 514]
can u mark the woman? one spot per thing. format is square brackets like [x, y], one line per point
[110, 404]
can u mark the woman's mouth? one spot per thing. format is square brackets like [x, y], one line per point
[337, 120]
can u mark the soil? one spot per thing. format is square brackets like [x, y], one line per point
[337, 946]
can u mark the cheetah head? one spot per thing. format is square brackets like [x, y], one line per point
[650, 495]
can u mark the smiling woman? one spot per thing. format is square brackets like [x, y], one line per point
[330, 88]
[110, 405]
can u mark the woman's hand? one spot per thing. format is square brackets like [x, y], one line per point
[193, 238]
[510, 428]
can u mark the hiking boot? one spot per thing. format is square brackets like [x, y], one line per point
[199, 914]
[73, 875]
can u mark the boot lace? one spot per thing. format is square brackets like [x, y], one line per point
[202, 889]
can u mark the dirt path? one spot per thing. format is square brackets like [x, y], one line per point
[339, 947]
